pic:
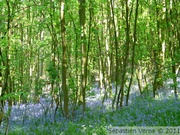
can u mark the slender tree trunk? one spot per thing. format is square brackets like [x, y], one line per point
[170, 22]
[1, 64]
[77, 96]
[139, 82]
[133, 52]
[64, 62]
[116, 50]
[125, 60]
[6, 86]
[158, 52]
[82, 17]
[1, 88]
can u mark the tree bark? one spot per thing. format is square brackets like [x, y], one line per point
[64, 62]
[125, 60]
[82, 18]
[133, 52]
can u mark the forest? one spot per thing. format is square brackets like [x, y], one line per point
[79, 66]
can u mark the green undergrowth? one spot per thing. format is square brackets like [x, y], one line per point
[142, 112]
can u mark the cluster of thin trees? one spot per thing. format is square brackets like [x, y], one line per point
[68, 44]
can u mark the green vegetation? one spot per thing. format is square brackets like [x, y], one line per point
[77, 66]
[142, 112]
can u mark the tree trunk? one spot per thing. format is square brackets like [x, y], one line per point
[82, 17]
[125, 60]
[133, 52]
[64, 63]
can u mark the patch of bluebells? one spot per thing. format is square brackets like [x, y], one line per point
[142, 111]
[25, 115]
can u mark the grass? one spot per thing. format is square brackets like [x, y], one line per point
[144, 111]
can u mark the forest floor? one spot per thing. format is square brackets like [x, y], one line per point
[143, 110]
